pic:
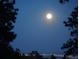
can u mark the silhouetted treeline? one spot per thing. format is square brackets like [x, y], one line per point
[7, 19]
[71, 46]
[36, 55]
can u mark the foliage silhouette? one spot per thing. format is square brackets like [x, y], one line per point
[7, 19]
[35, 55]
[71, 45]
[53, 57]
[63, 1]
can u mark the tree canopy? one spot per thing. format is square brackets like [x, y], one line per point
[7, 19]
[72, 44]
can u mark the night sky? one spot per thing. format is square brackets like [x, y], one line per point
[34, 33]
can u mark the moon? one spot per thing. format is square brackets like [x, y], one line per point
[49, 16]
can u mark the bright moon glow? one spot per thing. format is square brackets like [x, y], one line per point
[49, 16]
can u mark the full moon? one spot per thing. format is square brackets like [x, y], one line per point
[49, 16]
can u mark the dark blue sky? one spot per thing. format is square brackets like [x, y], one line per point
[33, 33]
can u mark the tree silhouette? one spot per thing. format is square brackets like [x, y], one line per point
[71, 45]
[63, 1]
[23, 56]
[17, 54]
[7, 19]
[53, 57]
[35, 55]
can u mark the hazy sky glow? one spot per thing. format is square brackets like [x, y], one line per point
[34, 33]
